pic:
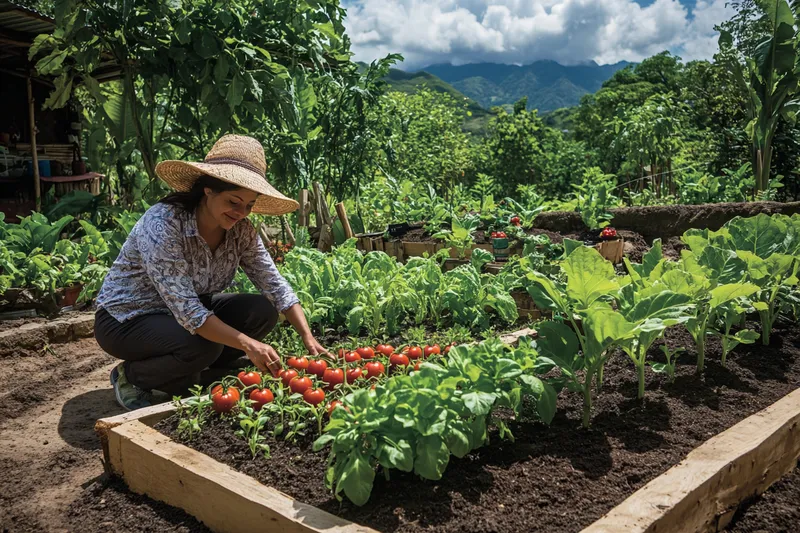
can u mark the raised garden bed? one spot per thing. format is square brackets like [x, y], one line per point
[557, 478]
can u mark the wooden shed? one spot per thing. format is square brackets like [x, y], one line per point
[39, 148]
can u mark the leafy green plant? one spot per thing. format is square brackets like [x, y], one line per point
[415, 422]
[460, 235]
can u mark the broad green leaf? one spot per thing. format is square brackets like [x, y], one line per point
[589, 277]
[762, 234]
[479, 403]
[731, 291]
[747, 336]
[546, 404]
[356, 479]
[397, 455]
[432, 456]
[558, 342]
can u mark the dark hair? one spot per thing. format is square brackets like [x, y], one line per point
[189, 200]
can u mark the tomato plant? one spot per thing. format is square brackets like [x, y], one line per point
[223, 399]
[287, 376]
[298, 363]
[432, 350]
[261, 397]
[352, 357]
[300, 384]
[414, 352]
[366, 352]
[375, 369]
[354, 373]
[399, 359]
[333, 377]
[314, 396]
[249, 378]
[385, 349]
[317, 367]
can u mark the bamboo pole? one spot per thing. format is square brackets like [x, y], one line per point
[342, 212]
[37, 186]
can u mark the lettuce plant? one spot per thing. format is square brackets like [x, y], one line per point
[415, 422]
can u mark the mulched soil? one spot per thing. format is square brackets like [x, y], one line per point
[107, 505]
[557, 478]
[776, 511]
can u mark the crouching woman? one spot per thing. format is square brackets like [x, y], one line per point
[161, 309]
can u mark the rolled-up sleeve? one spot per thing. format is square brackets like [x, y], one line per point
[260, 268]
[161, 247]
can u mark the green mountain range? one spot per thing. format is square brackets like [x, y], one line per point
[410, 82]
[547, 84]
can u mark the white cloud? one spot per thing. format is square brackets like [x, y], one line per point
[522, 31]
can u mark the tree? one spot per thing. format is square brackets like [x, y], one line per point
[191, 71]
[769, 80]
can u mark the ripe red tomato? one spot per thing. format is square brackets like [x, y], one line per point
[385, 349]
[448, 347]
[222, 401]
[351, 357]
[333, 377]
[375, 369]
[261, 397]
[355, 373]
[341, 353]
[397, 359]
[432, 350]
[287, 376]
[414, 352]
[314, 396]
[501, 235]
[516, 221]
[249, 378]
[366, 352]
[299, 363]
[416, 366]
[332, 405]
[300, 385]
[317, 367]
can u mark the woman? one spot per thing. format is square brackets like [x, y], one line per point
[160, 309]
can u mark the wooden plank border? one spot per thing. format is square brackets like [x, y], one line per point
[699, 494]
[703, 491]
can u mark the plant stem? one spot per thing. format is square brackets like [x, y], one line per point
[640, 370]
[587, 400]
[600, 378]
[701, 352]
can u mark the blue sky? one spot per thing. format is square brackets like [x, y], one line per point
[522, 31]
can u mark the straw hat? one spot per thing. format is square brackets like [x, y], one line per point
[235, 159]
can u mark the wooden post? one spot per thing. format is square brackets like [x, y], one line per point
[288, 229]
[37, 186]
[323, 219]
[342, 212]
[302, 214]
[263, 234]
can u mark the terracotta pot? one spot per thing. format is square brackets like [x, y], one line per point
[71, 294]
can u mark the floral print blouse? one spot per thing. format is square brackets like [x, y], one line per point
[165, 265]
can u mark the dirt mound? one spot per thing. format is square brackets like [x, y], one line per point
[669, 220]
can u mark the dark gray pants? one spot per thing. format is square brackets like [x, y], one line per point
[160, 354]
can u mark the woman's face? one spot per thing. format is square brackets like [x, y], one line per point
[229, 207]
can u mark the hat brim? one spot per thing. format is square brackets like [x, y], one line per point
[181, 175]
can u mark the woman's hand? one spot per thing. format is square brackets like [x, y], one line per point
[314, 347]
[263, 356]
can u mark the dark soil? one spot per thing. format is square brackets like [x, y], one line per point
[107, 505]
[557, 478]
[775, 511]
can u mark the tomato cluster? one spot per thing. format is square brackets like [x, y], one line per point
[314, 377]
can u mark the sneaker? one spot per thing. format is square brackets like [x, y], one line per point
[129, 396]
